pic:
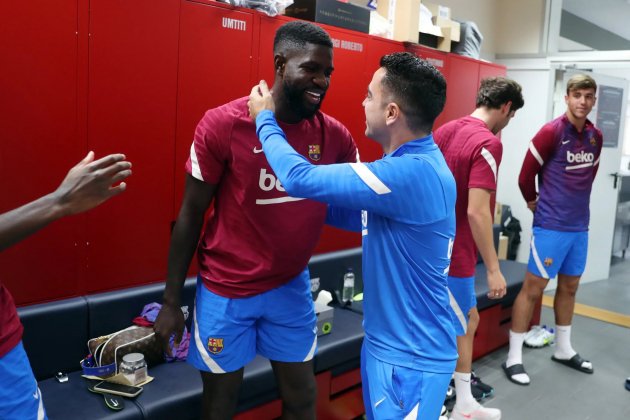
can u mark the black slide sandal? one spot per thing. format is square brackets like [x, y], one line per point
[514, 370]
[575, 362]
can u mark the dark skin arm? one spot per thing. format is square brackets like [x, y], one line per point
[88, 184]
[185, 237]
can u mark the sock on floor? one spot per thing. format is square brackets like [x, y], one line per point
[563, 342]
[465, 400]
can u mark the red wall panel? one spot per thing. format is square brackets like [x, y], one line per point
[39, 141]
[210, 72]
[461, 92]
[132, 109]
[490, 69]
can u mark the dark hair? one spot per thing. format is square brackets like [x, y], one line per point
[416, 86]
[496, 91]
[297, 34]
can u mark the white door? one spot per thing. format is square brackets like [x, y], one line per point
[605, 193]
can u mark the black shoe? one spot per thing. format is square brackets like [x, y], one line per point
[485, 388]
[477, 393]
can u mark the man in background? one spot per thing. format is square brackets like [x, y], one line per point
[564, 155]
[473, 153]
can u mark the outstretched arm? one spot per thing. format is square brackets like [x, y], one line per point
[86, 185]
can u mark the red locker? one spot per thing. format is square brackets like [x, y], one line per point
[463, 82]
[132, 109]
[215, 67]
[490, 69]
[39, 140]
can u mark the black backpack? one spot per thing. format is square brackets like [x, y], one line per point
[511, 227]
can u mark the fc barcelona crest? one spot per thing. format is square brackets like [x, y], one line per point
[215, 345]
[593, 141]
[548, 261]
[314, 152]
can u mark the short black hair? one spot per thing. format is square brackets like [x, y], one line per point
[496, 91]
[416, 86]
[297, 34]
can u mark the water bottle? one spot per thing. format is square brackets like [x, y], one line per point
[348, 286]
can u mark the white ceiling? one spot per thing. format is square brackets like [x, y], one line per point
[612, 15]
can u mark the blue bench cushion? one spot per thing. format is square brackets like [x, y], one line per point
[55, 335]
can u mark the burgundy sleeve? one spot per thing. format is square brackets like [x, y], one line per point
[540, 149]
[209, 148]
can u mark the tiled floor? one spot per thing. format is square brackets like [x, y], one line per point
[558, 392]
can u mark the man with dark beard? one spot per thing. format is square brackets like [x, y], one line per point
[253, 288]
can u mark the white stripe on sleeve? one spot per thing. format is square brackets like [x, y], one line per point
[196, 171]
[490, 159]
[370, 179]
[539, 158]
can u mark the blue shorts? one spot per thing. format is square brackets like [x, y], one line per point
[20, 398]
[397, 392]
[463, 299]
[553, 252]
[279, 324]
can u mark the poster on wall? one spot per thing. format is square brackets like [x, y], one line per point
[609, 105]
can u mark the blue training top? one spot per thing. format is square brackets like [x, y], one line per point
[404, 205]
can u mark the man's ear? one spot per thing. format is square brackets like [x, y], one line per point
[279, 60]
[392, 113]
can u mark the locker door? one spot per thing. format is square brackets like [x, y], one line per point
[490, 69]
[39, 141]
[440, 60]
[131, 109]
[215, 59]
[463, 82]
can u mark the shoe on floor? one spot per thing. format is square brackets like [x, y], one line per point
[539, 336]
[513, 373]
[477, 413]
[484, 387]
[576, 362]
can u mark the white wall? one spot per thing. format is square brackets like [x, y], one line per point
[508, 26]
[515, 137]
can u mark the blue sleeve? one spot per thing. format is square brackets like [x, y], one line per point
[397, 188]
[343, 218]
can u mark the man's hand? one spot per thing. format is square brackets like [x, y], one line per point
[91, 182]
[496, 284]
[532, 205]
[260, 99]
[169, 321]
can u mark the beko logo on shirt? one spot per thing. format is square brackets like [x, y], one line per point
[229, 23]
[268, 182]
[581, 157]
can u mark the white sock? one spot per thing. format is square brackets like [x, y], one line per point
[515, 355]
[465, 400]
[563, 342]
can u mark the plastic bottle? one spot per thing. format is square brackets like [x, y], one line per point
[348, 286]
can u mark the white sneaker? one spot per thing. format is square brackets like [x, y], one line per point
[477, 413]
[539, 336]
